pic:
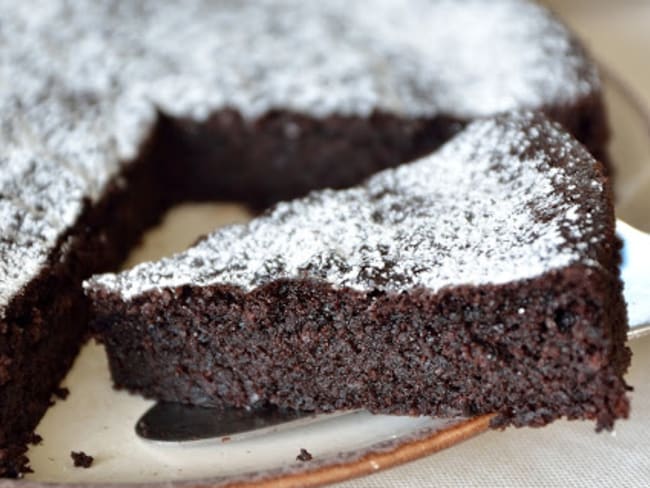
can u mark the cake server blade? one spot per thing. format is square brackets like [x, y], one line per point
[173, 422]
[635, 273]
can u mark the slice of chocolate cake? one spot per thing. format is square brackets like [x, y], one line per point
[481, 278]
[135, 106]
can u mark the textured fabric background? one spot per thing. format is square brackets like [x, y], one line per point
[565, 454]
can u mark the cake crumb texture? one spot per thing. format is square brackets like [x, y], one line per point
[81, 459]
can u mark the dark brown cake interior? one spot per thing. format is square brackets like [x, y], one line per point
[307, 346]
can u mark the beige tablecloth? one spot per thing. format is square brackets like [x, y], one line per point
[566, 453]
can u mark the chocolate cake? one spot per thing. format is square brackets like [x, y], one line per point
[112, 111]
[81, 459]
[482, 278]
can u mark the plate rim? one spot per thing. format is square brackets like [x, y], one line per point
[375, 458]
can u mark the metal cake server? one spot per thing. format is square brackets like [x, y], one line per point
[635, 272]
[173, 422]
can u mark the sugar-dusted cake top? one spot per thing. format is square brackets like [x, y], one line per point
[459, 57]
[507, 199]
[81, 82]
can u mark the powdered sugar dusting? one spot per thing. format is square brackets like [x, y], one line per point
[80, 82]
[486, 208]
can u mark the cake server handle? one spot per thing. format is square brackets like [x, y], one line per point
[635, 273]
